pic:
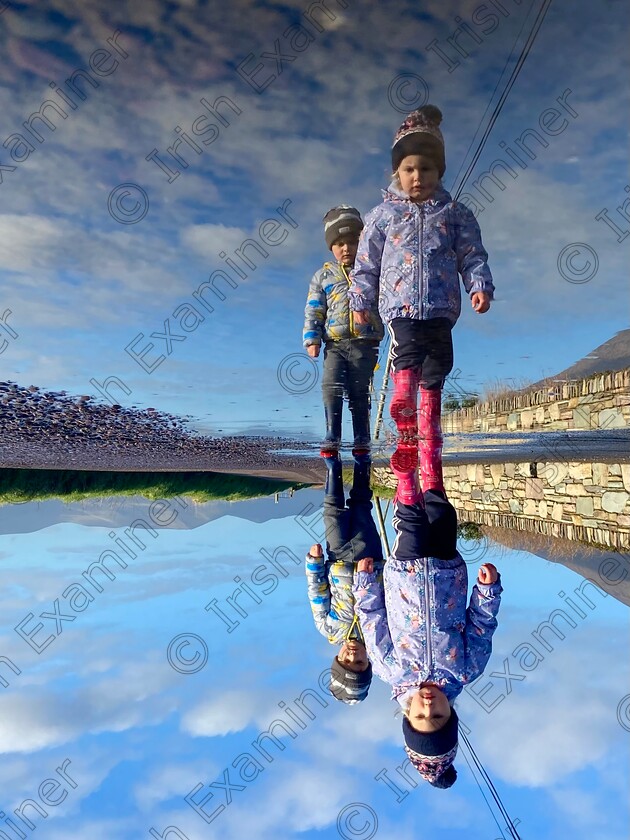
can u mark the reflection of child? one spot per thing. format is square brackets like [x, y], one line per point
[420, 637]
[351, 535]
[350, 351]
[413, 246]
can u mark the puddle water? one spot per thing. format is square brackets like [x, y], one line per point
[153, 651]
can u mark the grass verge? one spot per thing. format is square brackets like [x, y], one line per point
[18, 486]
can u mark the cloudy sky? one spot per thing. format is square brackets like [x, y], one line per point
[99, 247]
[90, 265]
[140, 735]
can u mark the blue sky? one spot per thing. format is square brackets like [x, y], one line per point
[81, 286]
[140, 736]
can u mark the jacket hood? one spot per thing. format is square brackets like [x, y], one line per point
[404, 691]
[394, 193]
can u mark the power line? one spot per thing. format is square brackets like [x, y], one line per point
[483, 794]
[542, 12]
[496, 87]
[495, 795]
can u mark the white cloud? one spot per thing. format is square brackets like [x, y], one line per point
[231, 711]
[171, 780]
[133, 695]
[208, 240]
[559, 720]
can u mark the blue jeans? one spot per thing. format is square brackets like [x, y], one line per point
[348, 365]
[351, 532]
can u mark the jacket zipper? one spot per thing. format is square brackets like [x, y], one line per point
[421, 265]
[427, 604]
[350, 312]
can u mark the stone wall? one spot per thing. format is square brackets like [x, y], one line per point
[585, 502]
[599, 402]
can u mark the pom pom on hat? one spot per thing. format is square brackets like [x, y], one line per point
[447, 779]
[420, 134]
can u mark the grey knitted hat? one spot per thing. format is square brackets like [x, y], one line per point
[342, 221]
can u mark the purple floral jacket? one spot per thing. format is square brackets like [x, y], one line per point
[410, 257]
[417, 628]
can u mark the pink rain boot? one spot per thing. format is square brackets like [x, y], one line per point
[430, 439]
[404, 464]
[403, 408]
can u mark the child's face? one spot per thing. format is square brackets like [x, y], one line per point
[353, 656]
[418, 176]
[429, 709]
[345, 250]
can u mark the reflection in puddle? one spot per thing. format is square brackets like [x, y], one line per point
[581, 501]
[259, 708]
[18, 486]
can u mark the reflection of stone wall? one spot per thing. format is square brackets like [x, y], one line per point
[585, 502]
[610, 571]
[599, 402]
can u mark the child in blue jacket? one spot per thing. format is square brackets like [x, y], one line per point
[351, 536]
[413, 248]
[420, 637]
[350, 350]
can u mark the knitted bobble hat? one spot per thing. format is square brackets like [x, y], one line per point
[348, 686]
[433, 753]
[342, 221]
[420, 135]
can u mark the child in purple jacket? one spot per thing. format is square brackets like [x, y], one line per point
[412, 251]
[420, 637]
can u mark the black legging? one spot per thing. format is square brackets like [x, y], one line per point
[426, 346]
[429, 531]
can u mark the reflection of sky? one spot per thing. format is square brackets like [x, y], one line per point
[140, 736]
[318, 135]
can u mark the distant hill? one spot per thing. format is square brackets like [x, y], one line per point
[613, 354]
[120, 511]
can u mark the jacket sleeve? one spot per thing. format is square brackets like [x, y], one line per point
[363, 292]
[481, 622]
[472, 257]
[318, 593]
[315, 312]
[369, 605]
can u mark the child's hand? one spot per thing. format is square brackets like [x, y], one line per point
[362, 318]
[488, 573]
[366, 565]
[316, 551]
[313, 350]
[480, 302]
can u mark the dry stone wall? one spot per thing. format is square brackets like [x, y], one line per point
[599, 402]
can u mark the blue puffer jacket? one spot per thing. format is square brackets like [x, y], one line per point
[410, 256]
[417, 628]
[330, 595]
[327, 316]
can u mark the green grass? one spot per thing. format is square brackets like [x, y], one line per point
[17, 486]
